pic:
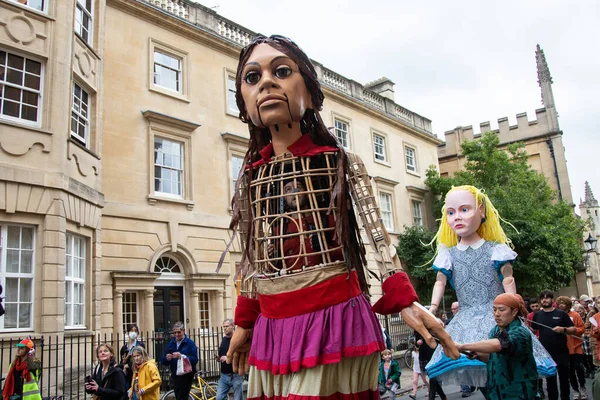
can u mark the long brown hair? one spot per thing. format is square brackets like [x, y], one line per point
[346, 230]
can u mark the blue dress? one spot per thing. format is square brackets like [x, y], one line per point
[474, 273]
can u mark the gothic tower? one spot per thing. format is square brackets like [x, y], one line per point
[589, 208]
[545, 82]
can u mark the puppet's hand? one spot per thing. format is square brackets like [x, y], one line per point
[422, 321]
[239, 350]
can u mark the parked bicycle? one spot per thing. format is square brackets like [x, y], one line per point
[408, 358]
[203, 391]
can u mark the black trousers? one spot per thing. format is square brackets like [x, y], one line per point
[182, 385]
[562, 367]
[576, 372]
[434, 385]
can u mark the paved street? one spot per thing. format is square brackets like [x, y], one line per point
[453, 392]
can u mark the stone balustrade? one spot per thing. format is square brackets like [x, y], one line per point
[241, 36]
[179, 8]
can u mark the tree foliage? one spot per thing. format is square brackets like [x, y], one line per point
[548, 234]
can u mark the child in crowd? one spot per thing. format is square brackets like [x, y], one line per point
[417, 373]
[146, 378]
[389, 374]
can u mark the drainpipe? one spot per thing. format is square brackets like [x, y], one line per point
[551, 147]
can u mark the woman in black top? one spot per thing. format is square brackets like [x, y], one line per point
[108, 379]
[126, 364]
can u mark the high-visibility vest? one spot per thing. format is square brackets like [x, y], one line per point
[31, 391]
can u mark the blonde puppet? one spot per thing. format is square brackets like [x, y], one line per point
[474, 256]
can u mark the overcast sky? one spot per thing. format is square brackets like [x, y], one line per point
[456, 62]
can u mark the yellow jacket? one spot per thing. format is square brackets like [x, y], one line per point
[148, 379]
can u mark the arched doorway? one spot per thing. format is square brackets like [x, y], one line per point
[169, 299]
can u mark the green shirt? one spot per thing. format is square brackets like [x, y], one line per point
[512, 372]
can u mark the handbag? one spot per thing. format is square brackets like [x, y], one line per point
[184, 366]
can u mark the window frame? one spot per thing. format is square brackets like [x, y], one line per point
[415, 168]
[40, 92]
[181, 171]
[378, 134]
[178, 130]
[236, 147]
[206, 311]
[383, 193]
[126, 313]
[87, 139]
[230, 77]
[161, 47]
[418, 207]
[17, 275]
[75, 281]
[347, 122]
[80, 5]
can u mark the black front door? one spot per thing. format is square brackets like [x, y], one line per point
[168, 307]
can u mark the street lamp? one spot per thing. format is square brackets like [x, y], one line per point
[590, 243]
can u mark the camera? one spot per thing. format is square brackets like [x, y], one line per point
[88, 379]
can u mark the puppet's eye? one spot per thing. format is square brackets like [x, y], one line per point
[450, 212]
[283, 71]
[252, 77]
[464, 209]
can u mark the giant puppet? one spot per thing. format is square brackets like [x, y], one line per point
[473, 254]
[305, 325]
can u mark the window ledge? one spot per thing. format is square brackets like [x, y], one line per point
[408, 171]
[25, 126]
[82, 147]
[386, 163]
[153, 199]
[78, 331]
[176, 95]
[232, 114]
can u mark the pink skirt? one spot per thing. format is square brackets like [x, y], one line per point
[287, 345]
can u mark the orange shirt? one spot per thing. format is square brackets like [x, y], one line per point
[574, 344]
[595, 337]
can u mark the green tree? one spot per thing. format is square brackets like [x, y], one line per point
[548, 234]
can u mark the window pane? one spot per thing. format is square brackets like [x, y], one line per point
[27, 238]
[30, 98]
[15, 61]
[10, 318]
[26, 261]
[33, 67]
[25, 292]
[14, 237]
[24, 315]
[32, 81]
[12, 261]
[14, 76]
[69, 269]
[12, 290]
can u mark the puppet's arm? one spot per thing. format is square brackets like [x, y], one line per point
[438, 292]
[508, 282]
[398, 293]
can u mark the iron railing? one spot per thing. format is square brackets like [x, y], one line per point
[68, 359]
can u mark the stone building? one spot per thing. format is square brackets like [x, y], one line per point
[119, 146]
[542, 138]
[543, 143]
[590, 210]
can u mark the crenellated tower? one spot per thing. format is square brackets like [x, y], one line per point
[542, 137]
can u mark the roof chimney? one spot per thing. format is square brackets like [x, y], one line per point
[382, 86]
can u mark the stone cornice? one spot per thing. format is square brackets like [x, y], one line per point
[385, 181]
[154, 116]
[396, 122]
[235, 139]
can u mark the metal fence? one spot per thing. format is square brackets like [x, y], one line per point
[68, 359]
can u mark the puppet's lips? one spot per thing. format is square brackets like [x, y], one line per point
[458, 226]
[271, 99]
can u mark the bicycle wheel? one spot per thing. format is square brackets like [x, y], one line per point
[210, 390]
[170, 395]
[408, 359]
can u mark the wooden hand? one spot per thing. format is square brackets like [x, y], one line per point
[422, 321]
[239, 350]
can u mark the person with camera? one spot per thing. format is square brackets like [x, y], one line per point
[23, 374]
[108, 380]
[126, 364]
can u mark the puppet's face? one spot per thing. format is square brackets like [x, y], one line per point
[462, 213]
[273, 89]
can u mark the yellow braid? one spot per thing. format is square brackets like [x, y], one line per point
[490, 230]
